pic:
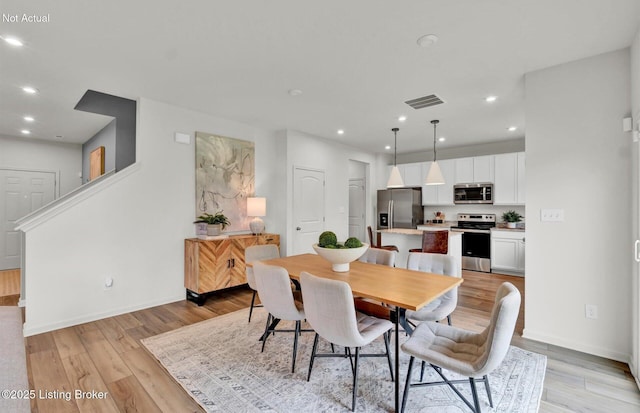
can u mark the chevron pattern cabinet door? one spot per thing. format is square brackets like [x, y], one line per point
[217, 264]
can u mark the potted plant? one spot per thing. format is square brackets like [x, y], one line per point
[511, 217]
[216, 223]
[339, 254]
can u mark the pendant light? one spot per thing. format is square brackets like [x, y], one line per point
[395, 180]
[434, 177]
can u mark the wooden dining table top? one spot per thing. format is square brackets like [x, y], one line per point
[400, 287]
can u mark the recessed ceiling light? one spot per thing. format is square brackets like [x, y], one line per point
[387, 147]
[29, 118]
[295, 92]
[442, 139]
[427, 40]
[25, 131]
[491, 99]
[13, 41]
[512, 128]
[340, 132]
[402, 118]
[30, 90]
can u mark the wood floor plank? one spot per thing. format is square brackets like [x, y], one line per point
[67, 342]
[84, 377]
[116, 335]
[9, 282]
[131, 397]
[104, 356]
[169, 396]
[51, 384]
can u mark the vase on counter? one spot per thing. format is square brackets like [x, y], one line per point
[511, 224]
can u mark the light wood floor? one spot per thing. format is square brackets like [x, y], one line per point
[9, 287]
[106, 355]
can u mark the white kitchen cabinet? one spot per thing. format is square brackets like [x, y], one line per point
[509, 183]
[483, 168]
[475, 169]
[507, 252]
[439, 194]
[464, 170]
[412, 174]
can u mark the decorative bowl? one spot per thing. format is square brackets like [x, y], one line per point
[340, 258]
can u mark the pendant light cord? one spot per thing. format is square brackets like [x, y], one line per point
[434, 122]
[395, 144]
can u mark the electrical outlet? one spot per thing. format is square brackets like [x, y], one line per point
[108, 283]
[591, 311]
[552, 215]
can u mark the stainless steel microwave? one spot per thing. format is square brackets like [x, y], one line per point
[481, 193]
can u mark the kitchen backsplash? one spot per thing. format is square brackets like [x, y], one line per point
[451, 212]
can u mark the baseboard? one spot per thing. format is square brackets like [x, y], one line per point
[30, 330]
[577, 346]
[22, 303]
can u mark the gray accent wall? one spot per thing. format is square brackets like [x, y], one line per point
[107, 138]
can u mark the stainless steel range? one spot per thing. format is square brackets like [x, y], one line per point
[476, 240]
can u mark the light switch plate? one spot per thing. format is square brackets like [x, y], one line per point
[551, 215]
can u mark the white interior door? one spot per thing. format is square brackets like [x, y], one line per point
[308, 208]
[22, 193]
[357, 201]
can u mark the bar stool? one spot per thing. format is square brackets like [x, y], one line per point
[435, 242]
[382, 247]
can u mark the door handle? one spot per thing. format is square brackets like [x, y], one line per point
[298, 228]
[636, 257]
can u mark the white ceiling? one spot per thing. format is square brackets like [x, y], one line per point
[356, 62]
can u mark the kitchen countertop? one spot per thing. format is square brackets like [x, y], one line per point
[501, 226]
[408, 231]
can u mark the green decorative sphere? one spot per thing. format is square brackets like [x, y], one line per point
[353, 243]
[327, 238]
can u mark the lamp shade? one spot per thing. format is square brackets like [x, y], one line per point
[395, 180]
[434, 177]
[256, 207]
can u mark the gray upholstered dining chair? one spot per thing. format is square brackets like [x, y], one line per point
[331, 313]
[444, 305]
[274, 288]
[379, 256]
[464, 352]
[257, 253]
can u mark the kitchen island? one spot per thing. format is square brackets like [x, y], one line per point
[406, 239]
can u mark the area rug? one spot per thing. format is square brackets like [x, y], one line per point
[219, 363]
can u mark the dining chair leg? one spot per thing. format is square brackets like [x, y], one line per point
[405, 395]
[348, 352]
[449, 319]
[295, 346]
[422, 367]
[253, 300]
[266, 330]
[355, 380]
[474, 392]
[313, 355]
[386, 345]
[486, 386]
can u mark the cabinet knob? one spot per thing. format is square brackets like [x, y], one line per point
[298, 228]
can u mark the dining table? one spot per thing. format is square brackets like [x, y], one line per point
[396, 287]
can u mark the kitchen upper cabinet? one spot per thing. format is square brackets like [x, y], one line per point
[483, 168]
[440, 194]
[475, 169]
[507, 252]
[412, 174]
[509, 184]
[464, 171]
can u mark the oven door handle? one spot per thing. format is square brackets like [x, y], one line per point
[475, 231]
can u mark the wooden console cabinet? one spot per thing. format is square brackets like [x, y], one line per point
[211, 265]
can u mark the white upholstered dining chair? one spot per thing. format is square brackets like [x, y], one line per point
[257, 253]
[379, 256]
[444, 305]
[274, 288]
[331, 313]
[464, 352]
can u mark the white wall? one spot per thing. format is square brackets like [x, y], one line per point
[65, 159]
[133, 230]
[308, 151]
[578, 159]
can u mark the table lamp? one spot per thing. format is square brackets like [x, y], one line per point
[256, 207]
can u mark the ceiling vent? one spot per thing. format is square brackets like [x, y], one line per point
[424, 102]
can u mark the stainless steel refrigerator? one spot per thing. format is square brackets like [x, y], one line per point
[400, 208]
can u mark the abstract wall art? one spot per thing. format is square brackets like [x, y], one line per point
[225, 177]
